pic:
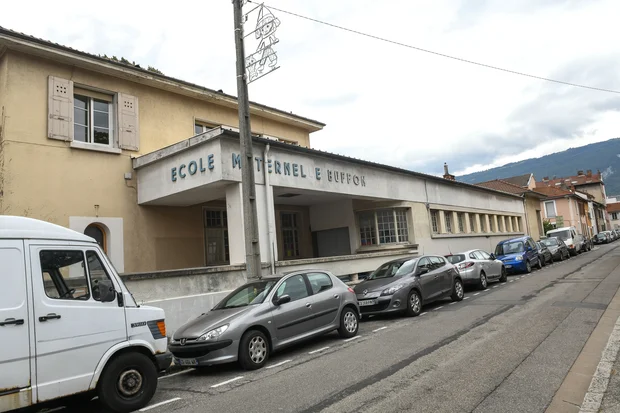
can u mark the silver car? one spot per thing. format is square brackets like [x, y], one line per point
[478, 267]
[265, 315]
[405, 285]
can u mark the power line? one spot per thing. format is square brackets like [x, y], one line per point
[514, 72]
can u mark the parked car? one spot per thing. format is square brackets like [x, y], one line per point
[573, 240]
[266, 315]
[557, 248]
[601, 238]
[518, 254]
[405, 285]
[610, 236]
[69, 325]
[544, 253]
[478, 267]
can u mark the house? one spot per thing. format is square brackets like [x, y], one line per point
[585, 183]
[149, 165]
[565, 208]
[521, 186]
[613, 210]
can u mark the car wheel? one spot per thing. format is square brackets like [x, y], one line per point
[551, 259]
[482, 284]
[540, 263]
[414, 304]
[349, 323]
[128, 383]
[528, 267]
[504, 277]
[253, 350]
[457, 290]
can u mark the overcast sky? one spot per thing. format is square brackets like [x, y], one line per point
[382, 102]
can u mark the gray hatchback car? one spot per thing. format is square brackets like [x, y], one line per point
[406, 284]
[266, 315]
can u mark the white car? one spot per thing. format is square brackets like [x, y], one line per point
[478, 267]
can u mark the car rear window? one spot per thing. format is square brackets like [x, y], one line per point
[455, 259]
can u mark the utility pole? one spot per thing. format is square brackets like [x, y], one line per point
[250, 216]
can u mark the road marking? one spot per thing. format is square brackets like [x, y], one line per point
[279, 364]
[379, 329]
[439, 308]
[511, 281]
[476, 294]
[319, 350]
[226, 382]
[466, 298]
[426, 312]
[352, 338]
[495, 286]
[159, 404]
[452, 303]
[55, 409]
[176, 374]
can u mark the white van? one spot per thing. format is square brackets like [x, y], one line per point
[68, 324]
[574, 241]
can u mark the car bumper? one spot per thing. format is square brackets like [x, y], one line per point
[470, 276]
[515, 266]
[205, 354]
[163, 360]
[384, 304]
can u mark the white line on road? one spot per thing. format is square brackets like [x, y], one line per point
[439, 308]
[352, 338]
[279, 364]
[452, 303]
[495, 286]
[426, 312]
[176, 374]
[226, 382]
[159, 404]
[466, 298]
[379, 329]
[476, 293]
[318, 351]
[511, 281]
[55, 409]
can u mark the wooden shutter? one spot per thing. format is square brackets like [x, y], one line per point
[60, 109]
[129, 128]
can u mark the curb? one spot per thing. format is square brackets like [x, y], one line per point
[598, 386]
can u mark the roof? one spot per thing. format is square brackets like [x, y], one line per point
[24, 42]
[504, 186]
[14, 227]
[575, 180]
[155, 156]
[614, 207]
[553, 192]
[521, 180]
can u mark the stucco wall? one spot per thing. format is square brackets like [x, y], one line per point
[3, 92]
[333, 215]
[533, 209]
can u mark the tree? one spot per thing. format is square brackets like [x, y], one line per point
[547, 226]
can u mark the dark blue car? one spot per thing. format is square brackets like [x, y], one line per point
[518, 254]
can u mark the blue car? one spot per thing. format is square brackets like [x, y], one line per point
[518, 254]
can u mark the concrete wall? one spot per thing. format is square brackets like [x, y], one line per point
[532, 211]
[50, 181]
[335, 215]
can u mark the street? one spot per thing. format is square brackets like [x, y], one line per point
[504, 349]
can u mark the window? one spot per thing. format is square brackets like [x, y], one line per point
[99, 278]
[484, 254]
[295, 287]
[437, 262]
[483, 220]
[448, 216]
[614, 215]
[550, 209]
[425, 263]
[64, 275]
[201, 127]
[435, 221]
[98, 233]
[472, 222]
[384, 226]
[319, 282]
[477, 255]
[248, 294]
[461, 218]
[492, 226]
[92, 120]
[216, 237]
[290, 234]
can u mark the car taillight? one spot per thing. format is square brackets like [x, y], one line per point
[351, 290]
[464, 265]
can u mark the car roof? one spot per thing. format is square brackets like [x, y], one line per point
[523, 238]
[14, 227]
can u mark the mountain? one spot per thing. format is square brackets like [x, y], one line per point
[603, 156]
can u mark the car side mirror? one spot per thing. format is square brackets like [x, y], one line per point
[422, 271]
[283, 300]
[492, 256]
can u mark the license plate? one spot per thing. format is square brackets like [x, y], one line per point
[508, 266]
[188, 362]
[367, 302]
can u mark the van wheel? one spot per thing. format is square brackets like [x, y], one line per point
[127, 383]
[253, 350]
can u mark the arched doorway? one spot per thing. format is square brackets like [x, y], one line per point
[98, 233]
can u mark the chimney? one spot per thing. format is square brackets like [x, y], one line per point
[446, 174]
[546, 179]
[589, 173]
[579, 173]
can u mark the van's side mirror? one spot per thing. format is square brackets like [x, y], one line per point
[283, 300]
[107, 294]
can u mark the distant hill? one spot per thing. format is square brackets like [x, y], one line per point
[603, 156]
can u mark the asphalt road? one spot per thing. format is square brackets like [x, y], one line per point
[505, 349]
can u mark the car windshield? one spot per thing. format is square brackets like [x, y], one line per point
[550, 242]
[393, 269]
[455, 259]
[511, 247]
[248, 294]
[600, 235]
[563, 235]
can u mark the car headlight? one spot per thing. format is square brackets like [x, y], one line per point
[519, 258]
[392, 290]
[213, 334]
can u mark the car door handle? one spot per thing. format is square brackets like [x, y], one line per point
[9, 321]
[336, 296]
[435, 277]
[50, 316]
[308, 305]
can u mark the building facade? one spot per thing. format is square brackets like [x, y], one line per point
[565, 208]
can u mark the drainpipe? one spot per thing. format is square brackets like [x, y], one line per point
[270, 211]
